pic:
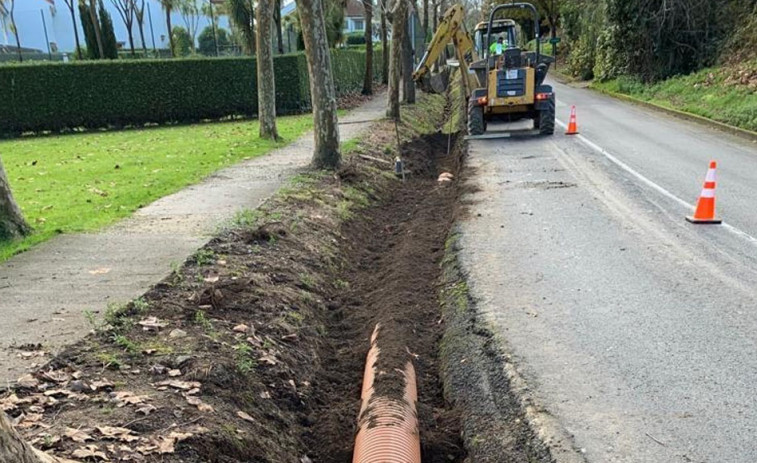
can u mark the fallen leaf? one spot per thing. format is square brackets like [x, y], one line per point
[241, 328]
[211, 278]
[146, 409]
[102, 384]
[128, 398]
[174, 373]
[245, 416]
[113, 432]
[27, 382]
[175, 383]
[77, 435]
[90, 451]
[177, 333]
[269, 359]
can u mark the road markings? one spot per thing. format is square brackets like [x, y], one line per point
[738, 232]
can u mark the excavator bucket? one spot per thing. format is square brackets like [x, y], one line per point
[436, 82]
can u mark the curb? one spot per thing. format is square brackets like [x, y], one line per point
[501, 419]
[737, 131]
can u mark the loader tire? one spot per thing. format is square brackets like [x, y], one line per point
[546, 119]
[476, 123]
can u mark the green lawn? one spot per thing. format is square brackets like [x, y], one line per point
[81, 182]
[711, 93]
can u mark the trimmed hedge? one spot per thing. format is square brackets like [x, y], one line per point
[119, 93]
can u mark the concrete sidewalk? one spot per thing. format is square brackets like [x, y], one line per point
[44, 292]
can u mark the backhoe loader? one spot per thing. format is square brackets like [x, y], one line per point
[500, 81]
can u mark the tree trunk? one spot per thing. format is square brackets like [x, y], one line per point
[266, 84]
[70, 5]
[408, 86]
[435, 5]
[14, 449]
[96, 26]
[15, 33]
[368, 79]
[384, 45]
[12, 223]
[277, 25]
[170, 31]
[322, 93]
[425, 19]
[399, 22]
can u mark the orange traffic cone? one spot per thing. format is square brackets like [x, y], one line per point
[705, 212]
[572, 126]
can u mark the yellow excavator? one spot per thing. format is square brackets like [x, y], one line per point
[501, 82]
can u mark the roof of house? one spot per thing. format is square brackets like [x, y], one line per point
[354, 9]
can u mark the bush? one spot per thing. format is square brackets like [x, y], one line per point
[182, 41]
[58, 96]
[356, 38]
[207, 44]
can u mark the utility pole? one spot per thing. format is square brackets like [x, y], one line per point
[47, 39]
[213, 25]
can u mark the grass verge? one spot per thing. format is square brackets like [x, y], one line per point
[722, 94]
[79, 183]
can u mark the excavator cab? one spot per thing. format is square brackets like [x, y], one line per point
[504, 28]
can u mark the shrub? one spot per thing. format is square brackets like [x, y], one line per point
[58, 96]
[207, 44]
[356, 38]
[182, 41]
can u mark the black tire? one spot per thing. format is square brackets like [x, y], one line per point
[545, 121]
[476, 123]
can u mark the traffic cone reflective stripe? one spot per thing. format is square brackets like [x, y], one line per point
[705, 211]
[572, 125]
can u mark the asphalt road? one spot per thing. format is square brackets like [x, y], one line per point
[634, 328]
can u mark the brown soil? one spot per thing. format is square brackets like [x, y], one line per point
[253, 351]
[394, 252]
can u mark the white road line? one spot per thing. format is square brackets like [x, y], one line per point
[738, 232]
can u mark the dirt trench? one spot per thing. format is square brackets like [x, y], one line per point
[393, 254]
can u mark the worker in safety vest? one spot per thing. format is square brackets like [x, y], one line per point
[498, 47]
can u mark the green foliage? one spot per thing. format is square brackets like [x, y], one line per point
[356, 38]
[710, 93]
[207, 43]
[58, 96]
[182, 41]
[110, 45]
[91, 51]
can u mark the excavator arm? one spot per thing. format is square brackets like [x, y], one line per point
[450, 29]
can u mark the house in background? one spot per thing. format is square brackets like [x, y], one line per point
[354, 17]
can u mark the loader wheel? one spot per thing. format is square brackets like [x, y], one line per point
[546, 119]
[476, 124]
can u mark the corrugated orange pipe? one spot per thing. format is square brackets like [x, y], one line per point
[387, 426]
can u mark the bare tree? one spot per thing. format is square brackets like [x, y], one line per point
[190, 13]
[322, 94]
[14, 29]
[425, 18]
[139, 12]
[384, 44]
[126, 9]
[14, 449]
[266, 84]
[368, 78]
[12, 223]
[71, 6]
[398, 16]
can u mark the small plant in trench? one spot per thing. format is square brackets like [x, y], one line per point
[307, 280]
[125, 343]
[202, 320]
[204, 257]
[245, 363]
